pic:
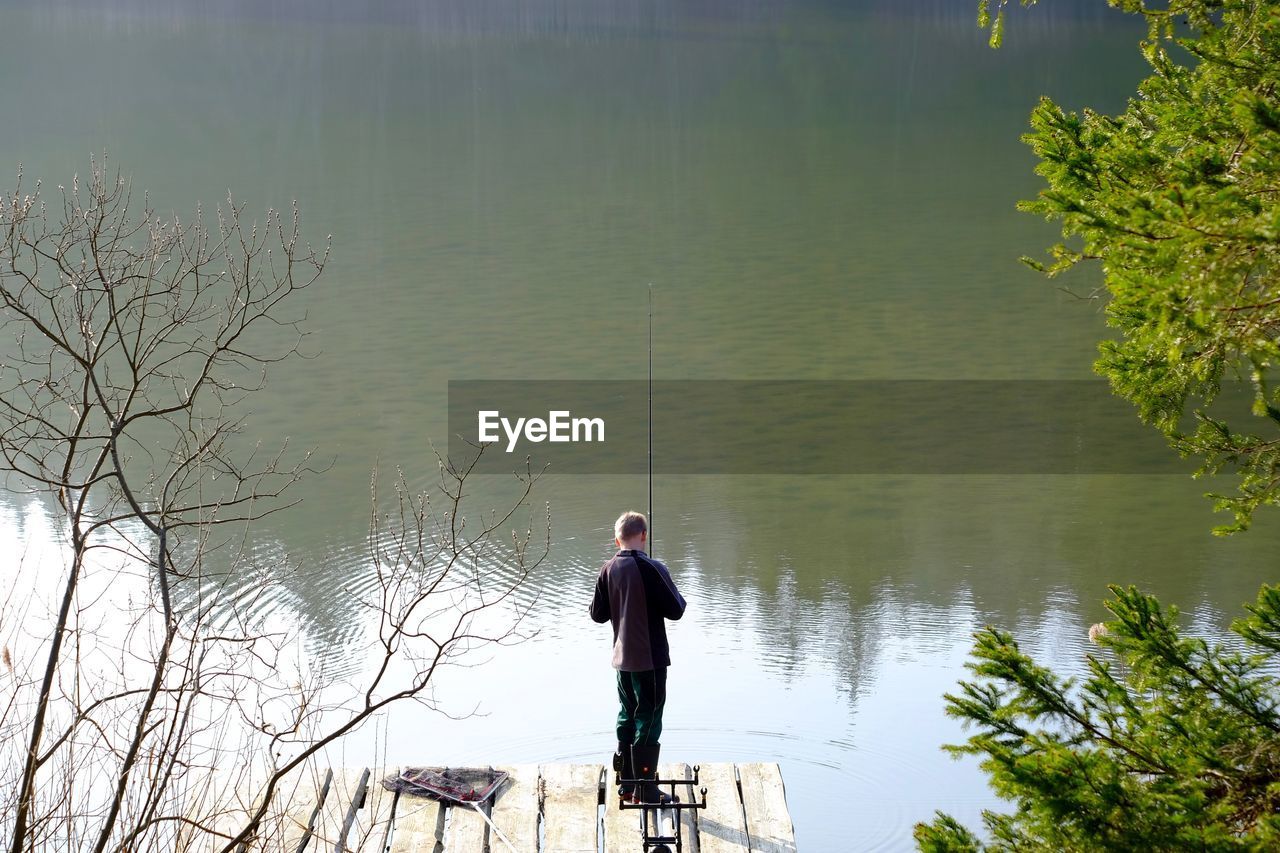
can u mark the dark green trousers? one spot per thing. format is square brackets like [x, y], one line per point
[641, 696]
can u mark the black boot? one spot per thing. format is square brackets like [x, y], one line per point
[645, 761]
[622, 765]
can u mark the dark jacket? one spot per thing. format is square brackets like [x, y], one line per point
[636, 594]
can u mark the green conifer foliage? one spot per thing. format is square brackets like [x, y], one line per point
[1178, 198]
[1168, 743]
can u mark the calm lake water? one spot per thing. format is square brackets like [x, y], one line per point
[815, 190]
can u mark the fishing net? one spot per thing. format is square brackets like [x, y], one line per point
[455, 784]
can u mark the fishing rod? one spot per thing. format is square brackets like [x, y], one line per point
[650, 419]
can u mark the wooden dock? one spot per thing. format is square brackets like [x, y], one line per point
[548, 808]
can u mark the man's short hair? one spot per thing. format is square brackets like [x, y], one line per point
[630, 524]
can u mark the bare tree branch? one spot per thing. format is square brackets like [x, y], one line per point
[133, 339]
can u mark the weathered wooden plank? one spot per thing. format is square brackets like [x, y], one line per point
[417, 825]
[688, 817]
[570, 796]
[217, 802]
[721, 826]
[765, 802]
[365, 828]
[301, 822]
[346, 795]
[228, 799]
[466, 831]
[359, 797]
[300, 818]
[746, 810]
[621, 826]
[515, 809]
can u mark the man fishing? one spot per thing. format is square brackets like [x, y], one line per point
[636, 594]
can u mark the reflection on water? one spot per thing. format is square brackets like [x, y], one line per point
[816, 191]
